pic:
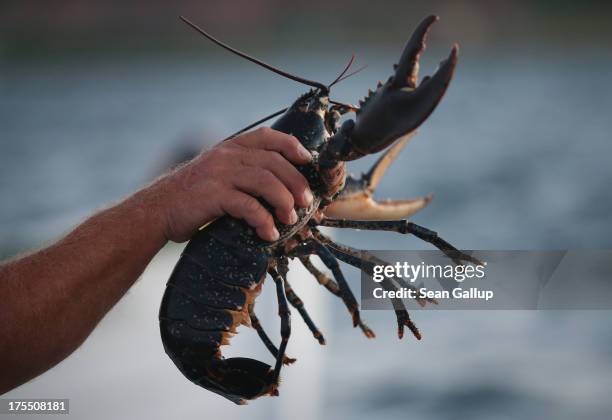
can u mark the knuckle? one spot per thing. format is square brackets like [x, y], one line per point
[284, 200]
[221, 152]
[259, 156]
[287, 203]
[235, 141]
[264, 131]
[293, 144]
[261, 217]
[274, 190]
[242, 138]
[266, 177]
[250, 205]
[301, 185]
[275, 157]
[295, 180]
[231, 156]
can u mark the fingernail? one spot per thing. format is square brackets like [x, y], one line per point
[304, 153]
[293, 217]
[308, 196]
[275, 234]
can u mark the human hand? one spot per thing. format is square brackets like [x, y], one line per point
[225, 180]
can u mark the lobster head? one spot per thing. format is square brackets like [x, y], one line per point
[398, 106]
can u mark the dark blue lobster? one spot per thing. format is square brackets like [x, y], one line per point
[213, 287]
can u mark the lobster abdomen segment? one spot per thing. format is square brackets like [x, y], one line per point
[207, 297]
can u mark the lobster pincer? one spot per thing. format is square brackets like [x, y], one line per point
[398, 106]
[356, 200]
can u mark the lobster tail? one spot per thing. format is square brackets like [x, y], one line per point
[207, 298]
[195, 353]
[240, 378]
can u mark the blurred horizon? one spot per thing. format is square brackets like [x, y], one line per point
[33, 28]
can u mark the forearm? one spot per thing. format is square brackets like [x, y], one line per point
[59, 294]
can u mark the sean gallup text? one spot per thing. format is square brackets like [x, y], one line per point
[424, 293]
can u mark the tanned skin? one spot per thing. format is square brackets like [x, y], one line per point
[53, 298]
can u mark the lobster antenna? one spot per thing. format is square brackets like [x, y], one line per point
[256, 123]
[253, 59]
[360, 69]
[348, 66]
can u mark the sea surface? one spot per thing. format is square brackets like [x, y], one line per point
[517, 155]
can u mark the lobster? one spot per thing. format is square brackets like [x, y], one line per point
[212, 289]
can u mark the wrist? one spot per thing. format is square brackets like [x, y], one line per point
[148, 206]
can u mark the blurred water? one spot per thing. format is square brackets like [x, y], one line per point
[517, 154]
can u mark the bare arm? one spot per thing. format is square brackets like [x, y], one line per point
[52, 299]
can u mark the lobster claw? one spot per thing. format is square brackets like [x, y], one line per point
[399, 106]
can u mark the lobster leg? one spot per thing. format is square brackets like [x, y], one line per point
[366, 261]
[298, 304]
[405, 227]
[323, 280]
[333, 288]
[264, 337]
[314, 247]
[368, 265]
[285, 330]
